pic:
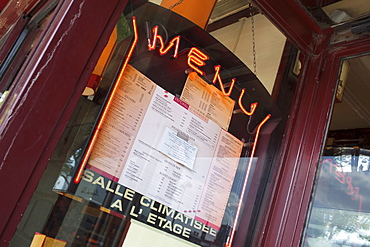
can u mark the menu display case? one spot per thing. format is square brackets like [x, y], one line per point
[167, 145]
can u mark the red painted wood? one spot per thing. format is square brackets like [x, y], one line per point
[295, 23]
[8, 44]
[50, 85]
[298, 164]
[12, 11]
[3, 3]
[27, 141]
[306, 131]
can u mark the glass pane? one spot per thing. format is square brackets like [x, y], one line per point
[340, 214]
[170, 149]
[26, 33]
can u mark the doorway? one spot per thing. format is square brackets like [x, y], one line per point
[340, 212]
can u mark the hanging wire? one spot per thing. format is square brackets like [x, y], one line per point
[251, 13]
[178, 3]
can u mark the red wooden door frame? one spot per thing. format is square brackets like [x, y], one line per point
[39, 117]
[308, 120]
[49, 85]
[3, 3]
[296, 24]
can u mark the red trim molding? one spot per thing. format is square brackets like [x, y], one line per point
[295, 23]
[289, 204]
[49, 85]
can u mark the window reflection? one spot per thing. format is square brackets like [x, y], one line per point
[133, 180]
[340, 214]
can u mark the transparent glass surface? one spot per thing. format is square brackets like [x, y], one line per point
[27, 30]
[340, 214]
[174, 147]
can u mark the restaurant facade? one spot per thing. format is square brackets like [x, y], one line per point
[180, 123]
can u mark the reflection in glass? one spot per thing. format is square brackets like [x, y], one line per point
[138, 178]
[340, 213]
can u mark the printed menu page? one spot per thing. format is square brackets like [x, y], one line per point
[208, 100]
[154, 173]
[176, 145]
[220, 179]
[122, 123]
[159, 146]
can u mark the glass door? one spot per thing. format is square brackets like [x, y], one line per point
[166, 149]
[340, 210]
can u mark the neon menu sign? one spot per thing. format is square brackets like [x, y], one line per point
[196, 60]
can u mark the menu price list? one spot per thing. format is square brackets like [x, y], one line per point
[157, 145]
[122, 123]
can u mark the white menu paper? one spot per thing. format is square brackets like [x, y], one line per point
[208, 100]
[159, 146]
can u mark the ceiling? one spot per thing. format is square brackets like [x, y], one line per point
[224, 8]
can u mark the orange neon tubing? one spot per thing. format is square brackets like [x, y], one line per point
[151, 45]
[218, 77]
[109, 102]
[231, 238]
[162, 49]
[253, 105]
[198, 58]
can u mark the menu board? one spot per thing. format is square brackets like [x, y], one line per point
[156, 144]
[122, 123]
[208, 100]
